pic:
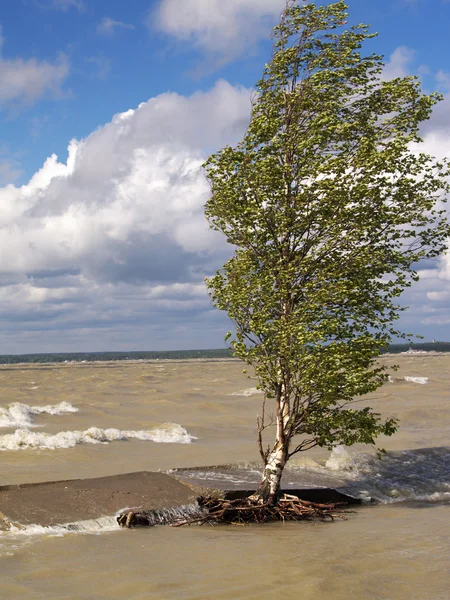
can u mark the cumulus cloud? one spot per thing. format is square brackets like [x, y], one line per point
[399, 63]
[428, 299]
[109, 248]
[443, 80]
[108, 26]
[223, 30]
[24, 81]
[116, 236]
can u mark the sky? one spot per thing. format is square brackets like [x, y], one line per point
[108, 109]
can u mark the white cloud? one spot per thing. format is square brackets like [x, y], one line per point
[429, 298]
[108, 26]
[116, 236]
[443, 79]
[399, 64]
[26, 81]
[109, 249]
[222, 29]
[438, 296]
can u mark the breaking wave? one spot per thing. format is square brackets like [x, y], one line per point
[17, 532]
[87, 526]
[24, 439]
[419, 475]
[410, 379]
[246, 393]
[231, 476]
[16, 536]
[21, 415]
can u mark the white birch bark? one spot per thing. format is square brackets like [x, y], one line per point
[277, 458]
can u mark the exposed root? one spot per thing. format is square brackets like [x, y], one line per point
[127, 519]
[244, 510]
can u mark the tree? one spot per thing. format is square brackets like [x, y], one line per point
[329, 206]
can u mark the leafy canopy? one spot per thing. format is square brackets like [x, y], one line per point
[329, 211]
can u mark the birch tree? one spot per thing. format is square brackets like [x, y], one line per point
[329, 206]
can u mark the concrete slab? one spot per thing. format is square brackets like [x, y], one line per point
[59, 502]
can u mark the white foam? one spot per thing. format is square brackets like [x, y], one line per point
[340, 460]
[421, 380]
[420, 475]
[246, 393]
[24, 439]
[409, 378]
[20, 415]
[101, 524]
[17, 535]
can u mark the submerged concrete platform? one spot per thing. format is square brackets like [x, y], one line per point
[319, 495]
[61, 502]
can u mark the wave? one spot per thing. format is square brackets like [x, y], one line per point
[87, 526]
[24, 439]
[410, 379]
[16, 536]
[24, 534]
[232, 476]
[246, 393]
[20, 415]
[419, 475]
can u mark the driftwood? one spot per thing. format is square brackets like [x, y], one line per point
[241, 511]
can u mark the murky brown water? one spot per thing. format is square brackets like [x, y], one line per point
[397, 550]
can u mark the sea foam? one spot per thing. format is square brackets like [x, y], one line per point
[418, 475]
[106, 523]
[24, 439]
[20, 415]
[246, 393]
[421, 380]
[409, 378]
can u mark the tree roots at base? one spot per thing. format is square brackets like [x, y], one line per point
[245, 510]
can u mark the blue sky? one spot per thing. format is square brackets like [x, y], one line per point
[103, 246]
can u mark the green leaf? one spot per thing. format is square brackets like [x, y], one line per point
[328, 212]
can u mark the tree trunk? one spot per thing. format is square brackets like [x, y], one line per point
[276, 459]
[273, 470]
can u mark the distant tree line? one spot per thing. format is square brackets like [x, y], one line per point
[108, 356]
[425, 346]
[8, 359]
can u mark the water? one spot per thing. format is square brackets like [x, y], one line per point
[188, 415]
